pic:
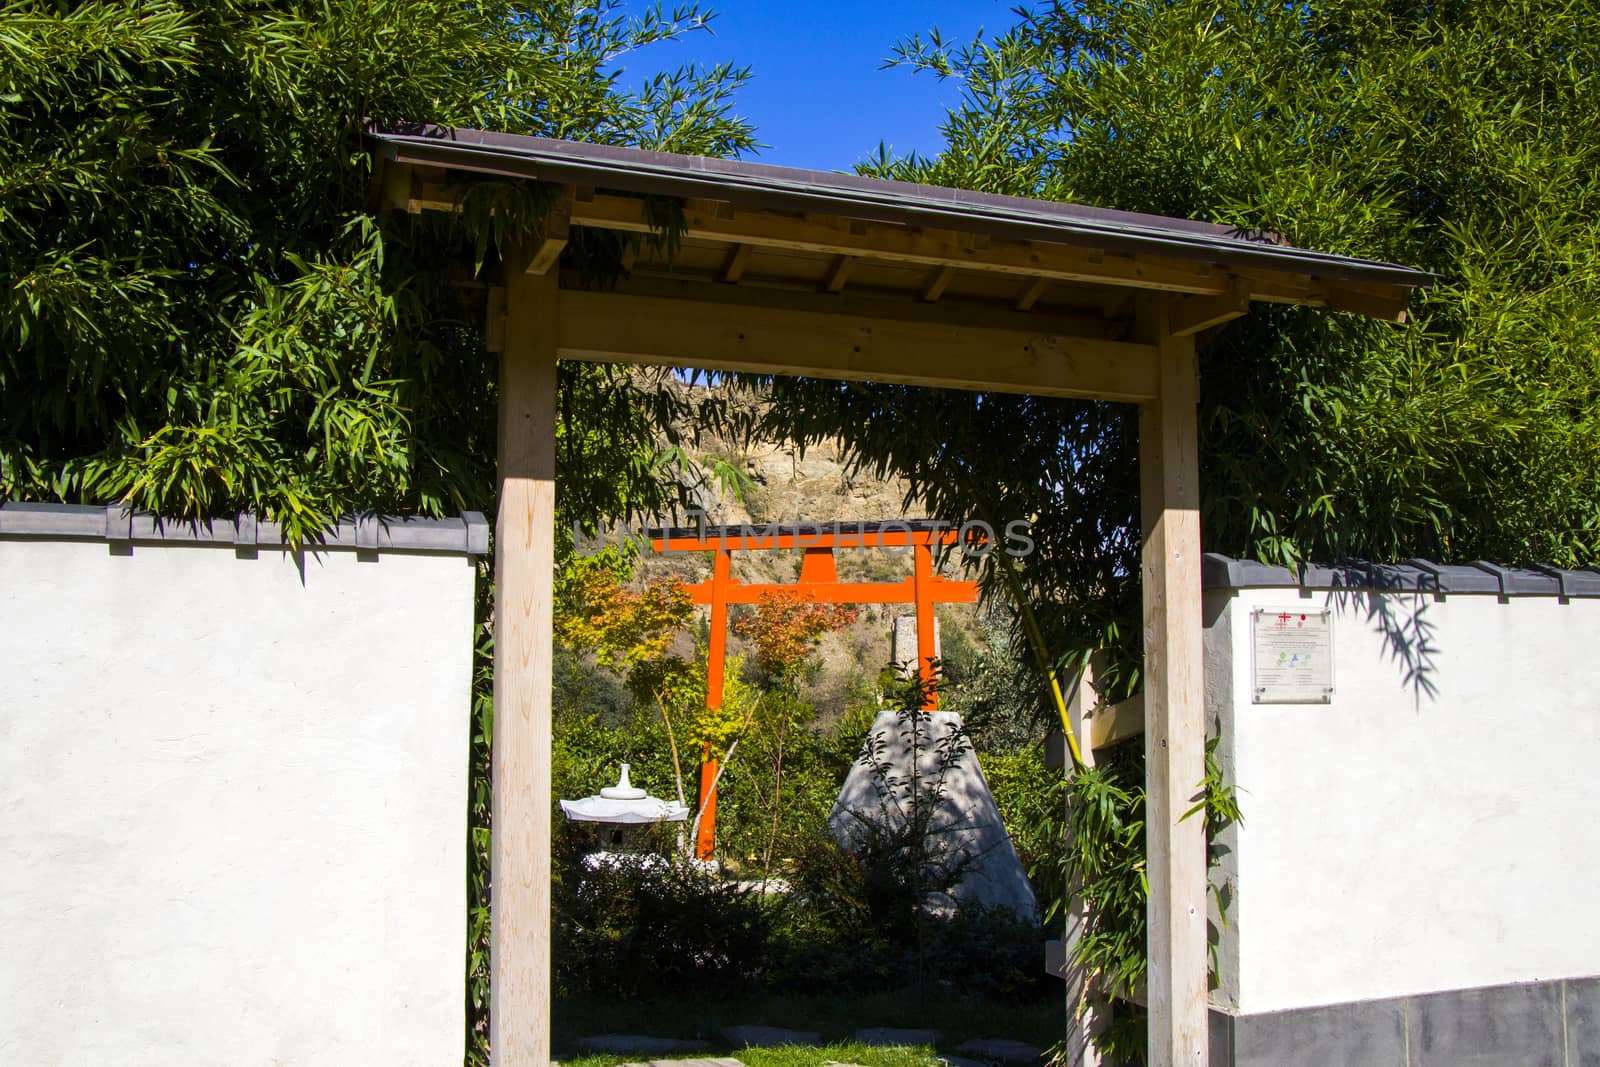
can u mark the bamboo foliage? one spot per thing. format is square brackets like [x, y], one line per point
[1454, 137]
[200, 313]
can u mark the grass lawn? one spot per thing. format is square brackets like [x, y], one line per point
[957, 1017]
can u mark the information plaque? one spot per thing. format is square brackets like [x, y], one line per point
[1292, 656]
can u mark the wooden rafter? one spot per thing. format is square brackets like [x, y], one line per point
[838, 274]
[553, 237]
[734, 265]
[934, 249]
[935, 286]
[415, 189]
[1030, 294]
[1188, 315]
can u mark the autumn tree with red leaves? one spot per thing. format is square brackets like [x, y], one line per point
[784, 630]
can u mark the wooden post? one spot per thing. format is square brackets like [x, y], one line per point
[524, 569]
[927, 640]
[1174, 705]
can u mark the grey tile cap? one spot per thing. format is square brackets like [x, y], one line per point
[466, 535]
[1223, 572]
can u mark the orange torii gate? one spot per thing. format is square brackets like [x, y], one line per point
[819, 579]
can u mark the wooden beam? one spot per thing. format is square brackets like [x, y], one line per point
[1174, 703]
[1110, 723]
[937, 282]
[1096, 722]
[553, 237]
[865, 302]
[524, 563]
[616, 326]
[1376, 306]
[1188, 315]
[838, 274]
[930, 248]
[733, 267]
[404, 189]
[1082, 699]
[378, 195]
[1030, 294]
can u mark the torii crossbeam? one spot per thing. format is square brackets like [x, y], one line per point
[819, 580]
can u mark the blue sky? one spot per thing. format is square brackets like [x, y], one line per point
[816, 95]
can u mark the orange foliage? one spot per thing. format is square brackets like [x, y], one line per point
[786, 626]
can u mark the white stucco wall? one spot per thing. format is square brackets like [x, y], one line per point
[232, 806]
[1437, 826]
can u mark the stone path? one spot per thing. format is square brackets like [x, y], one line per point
[885, 1036]
[1002, 1049]
[637, 1043]
[752, 1036]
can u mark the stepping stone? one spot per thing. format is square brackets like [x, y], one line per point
[637, 1043]
[722, 1062]
[1002, 1049]
[753, 1036]
[888, 1036]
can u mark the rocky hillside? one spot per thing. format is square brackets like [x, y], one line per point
[782, 485]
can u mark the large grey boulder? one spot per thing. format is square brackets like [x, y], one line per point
[919, 769]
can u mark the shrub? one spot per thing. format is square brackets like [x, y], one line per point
[634, 930]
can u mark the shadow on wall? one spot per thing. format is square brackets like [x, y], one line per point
[1401, 619]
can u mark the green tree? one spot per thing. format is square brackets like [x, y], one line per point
[1456, 137]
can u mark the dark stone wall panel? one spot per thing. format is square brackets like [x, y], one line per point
[1366, 1034]
[1504, 1026]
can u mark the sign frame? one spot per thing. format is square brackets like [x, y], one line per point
[1311, 683]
